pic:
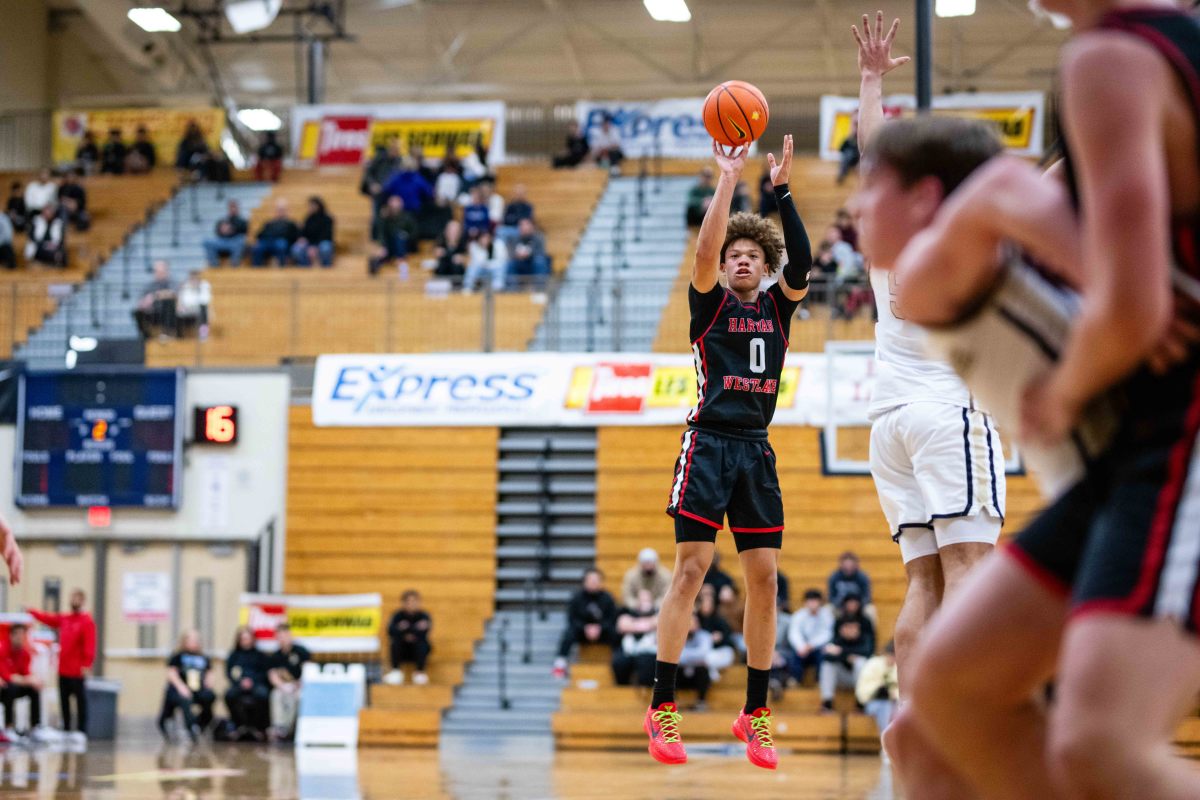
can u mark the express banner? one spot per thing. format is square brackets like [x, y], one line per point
[674, 128]
[1019, 117]
[348, 134]
[333, 623]
[165, 126]
[581, 389]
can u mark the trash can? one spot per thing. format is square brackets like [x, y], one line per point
[102, 708]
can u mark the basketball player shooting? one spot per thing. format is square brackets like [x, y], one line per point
[726, 465]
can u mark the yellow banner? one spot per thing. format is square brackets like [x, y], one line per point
[334, 622]
[166, 127]
[672, 387]
[1014, 125]
[434, 136]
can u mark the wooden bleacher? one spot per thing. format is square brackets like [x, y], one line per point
[263, 315]
[388, 509]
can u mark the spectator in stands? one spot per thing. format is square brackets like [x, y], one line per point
[72, 197]
[87, 154]
[269, 164]
[408, 634]
[275, 237]
[451, 253]
[720, 581]
[848, 579]
[723, 650]
[191, 307]
[699, 196]
[741, 202]
[192, 149]
[76, 653]
[46, 242]
[143, 157]
[695, 669]
[448, 185]
[8, 256]
[112, 157]
[494, 202]
[849, 150]
[577, 148]
[316, 237]
[394, 233]
[385, 163]
[15, 208]
[591, 619]
[606, 145]
[783, 594]
[518, 207]
[487, 258]
[845, 225]
[529, 264]
[40, 193]
[229, 237]
[248, 693]
[217, 168]
[157, 304]
[768, 204]
[878, 690]
[777, 679]
[473, 167]
[284, 668]
[476, 215]
[417, 153]
[18, 681]
[189, 685]
[637, 625]
[843, 659]
[408, 184]
[646, 574]
[809, 630]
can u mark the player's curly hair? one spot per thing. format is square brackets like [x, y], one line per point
[763, 232]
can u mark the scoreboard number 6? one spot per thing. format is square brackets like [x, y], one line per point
[216, 425]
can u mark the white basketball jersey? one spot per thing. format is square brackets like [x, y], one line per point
[903, 372]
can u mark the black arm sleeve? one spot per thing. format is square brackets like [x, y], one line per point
[795, 238]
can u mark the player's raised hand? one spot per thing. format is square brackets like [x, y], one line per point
[10, 551]
[875, 48]
[781, 171]
[731, 162]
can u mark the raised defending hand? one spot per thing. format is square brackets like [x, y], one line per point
[875, 51]
[781, 172]
[10, 551]
[731, 162]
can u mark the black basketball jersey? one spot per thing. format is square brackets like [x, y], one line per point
[739, 350]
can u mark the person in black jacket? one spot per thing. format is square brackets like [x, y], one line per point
[87, 155]
[275, 237]
[843, 659]
[409, 635]
[143, 157]
[316, 237]
[577, 148]
[591, 617]
[112, 157]
[246, 699]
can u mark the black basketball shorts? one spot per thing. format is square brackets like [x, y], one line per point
[718, 476]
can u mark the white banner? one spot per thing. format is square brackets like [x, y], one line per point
[1019, 117]
[146, 596]
[579, 389]
[327, 623]
[676, 125]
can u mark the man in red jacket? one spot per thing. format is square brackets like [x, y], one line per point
[17, 681]
[76, 652]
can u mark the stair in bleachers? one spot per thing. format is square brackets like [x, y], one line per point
[102, 307]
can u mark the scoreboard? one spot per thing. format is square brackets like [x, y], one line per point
[100, 439]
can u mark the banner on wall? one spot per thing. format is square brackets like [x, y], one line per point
[329, 623]
[165, 125]
[673, 127]
[580, 389]
[348, 134]
[1019, 117]
[146, 596]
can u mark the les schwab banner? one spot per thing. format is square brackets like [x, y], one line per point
[335, 623]
[165, 125]
[1019, 117]
[585, 389]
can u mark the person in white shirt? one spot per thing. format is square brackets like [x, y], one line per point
[40, 193]
[487, 258]
[694, 671]
[878, 690]
[8, 257]
[809, 630]
[606, 145]
[192, 304]
[45, 242]
[447, 187]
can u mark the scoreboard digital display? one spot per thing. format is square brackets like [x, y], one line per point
[100, 439]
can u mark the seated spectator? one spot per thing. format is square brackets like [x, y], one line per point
[768, 204]
[451, 253]
[529, 264]
[408, 635]
[878, 689]
[777, 678]
[845, 225]
[269, 164]
[637, 625]
[395, 236]
[695, 670]
[217, 168]
[606, 145]
[577, 148]
[8, 256]
[591, 618]
[417, 153]
[284, 668]
[87, 154]
[699, 196]
[853, 608]
[246, 699]
[493, 200]
[476, 215]
[741, 202]
[189, 685]
[447, 186]
[849, 580]
[229, 237]
[518, 207]
[720, 581]
[46, 241]
[40, 193]
[157, 304]
[275, 237]
[143, 157]
[316, 237]
[849, 150]
[15, 208]
[385, 163]
[809, 630]
[843, 659]
[72, 198]
[408, 184]
[191, 307]
[487, 258]
[112, 157]
[723, 650]
[192, 150]
[473, 168]
[646, 574]
[18, 681]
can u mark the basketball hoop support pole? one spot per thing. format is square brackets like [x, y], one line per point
[924, 13]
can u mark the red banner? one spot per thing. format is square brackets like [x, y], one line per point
[618, 388]
[343, 140]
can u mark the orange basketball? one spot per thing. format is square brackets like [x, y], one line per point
[735, 113]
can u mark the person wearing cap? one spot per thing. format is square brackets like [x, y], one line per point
[646, 574]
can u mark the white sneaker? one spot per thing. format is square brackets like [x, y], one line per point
[420, 679]
[44, 734]
[77, 737]
[394, 678]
